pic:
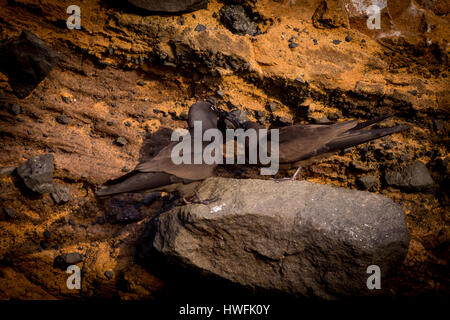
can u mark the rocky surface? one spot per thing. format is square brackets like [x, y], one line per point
[414, 176]
[295, 237]
[131, 74]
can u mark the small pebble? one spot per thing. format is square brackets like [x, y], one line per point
[62, 119]
[44, 244]
[109, 274]
[121, 141]
[100, 220]
[16, 109]
[200, 27]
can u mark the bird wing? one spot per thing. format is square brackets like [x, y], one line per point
[355, 137]
[298, 142]
[137, 181]
[162, 162]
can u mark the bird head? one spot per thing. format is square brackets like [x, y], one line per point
[204, 112]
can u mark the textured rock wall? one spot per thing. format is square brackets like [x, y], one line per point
[124, 79]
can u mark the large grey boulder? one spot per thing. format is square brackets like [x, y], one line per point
[293, 237]
[170, 6]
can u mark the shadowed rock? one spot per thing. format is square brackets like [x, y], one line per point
[170, 6]
[26, 60]
[366, 182]
[293, 237]
[37, 173]
[413, 177]
[237, 21]
[67, 259]
[61, 194]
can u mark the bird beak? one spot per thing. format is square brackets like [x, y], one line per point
[225, 115]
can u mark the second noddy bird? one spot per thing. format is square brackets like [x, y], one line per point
[301, 144]
[160, 173]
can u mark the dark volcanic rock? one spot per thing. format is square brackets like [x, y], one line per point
[237, 21]
[367, 182]
[294, 237]
[127, 215]
[16, 109]
[200, 27]
[10, 213]
[63, 119]
[438, 124]
[26, 60]
[44, 244]
[242, 116]
[6, 261]
[170, 6]
[413, 177]
[109, 274]
[72, 258]
[122, 212]
[67, 259]
[37, 173]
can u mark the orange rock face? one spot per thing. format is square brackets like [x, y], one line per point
[130, 75]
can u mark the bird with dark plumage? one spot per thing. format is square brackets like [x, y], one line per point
[160, 173]
[302, 144]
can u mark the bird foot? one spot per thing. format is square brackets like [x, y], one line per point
[293, 178]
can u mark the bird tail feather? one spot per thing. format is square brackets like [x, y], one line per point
[355, 137]
[371, 122]
[134, 182]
